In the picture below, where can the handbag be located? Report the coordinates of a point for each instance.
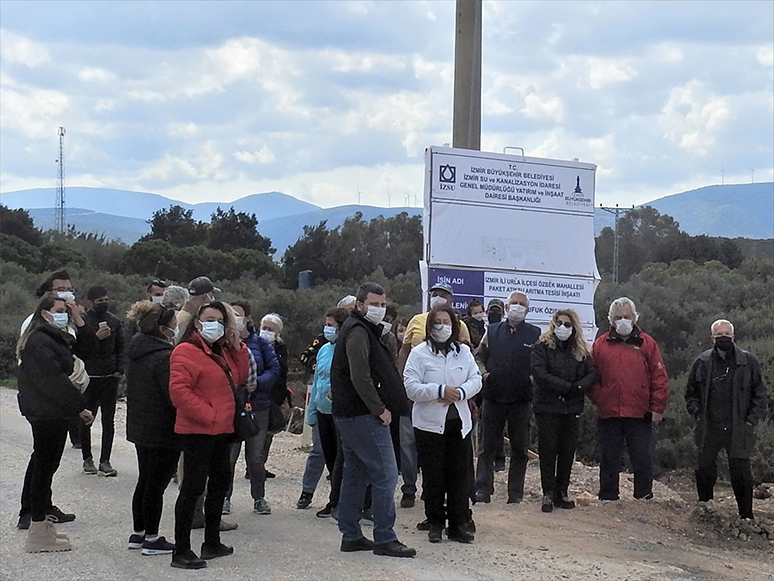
(246, 424)
(276, 419)
(79, 378)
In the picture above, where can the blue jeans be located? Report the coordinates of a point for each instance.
(315, 463)
(408, 456)
(369, 457)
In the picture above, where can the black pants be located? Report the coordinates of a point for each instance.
(206, 461)
(49, 437)
(637, 433)
(334, 457)
(715, 440)
(445, 462)
(156, 467)
(101, 393)
(557, 441)
(494, 416)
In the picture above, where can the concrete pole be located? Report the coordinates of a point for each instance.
(466, 133)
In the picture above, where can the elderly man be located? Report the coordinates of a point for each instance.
(727, 396)
(504, 357)
(631, 395)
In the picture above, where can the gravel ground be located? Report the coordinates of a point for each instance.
(623, 540)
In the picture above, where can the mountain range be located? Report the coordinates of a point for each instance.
(732, 211)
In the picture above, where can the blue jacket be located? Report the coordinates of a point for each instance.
(267, 369)
(320, 400)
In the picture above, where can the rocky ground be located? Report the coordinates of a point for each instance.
(667, 538)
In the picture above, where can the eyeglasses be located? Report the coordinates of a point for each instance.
(565, 324)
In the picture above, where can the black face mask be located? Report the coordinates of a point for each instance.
(101, 308)
(724, 343)
(494, 316)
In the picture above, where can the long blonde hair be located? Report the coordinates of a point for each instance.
(580, 347)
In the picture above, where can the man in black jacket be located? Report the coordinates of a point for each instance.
(367, 391)
(504, 354)
(105, 369)
(727, 396)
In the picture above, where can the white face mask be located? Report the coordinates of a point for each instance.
(441, 333)
(479, 316)
(59, 320)
(270, 336)
(516, 313)
(330, 333)
(241, 325)
(624, 327)
(212, 330)
(375, 315)
(66, 295)
(437, 301)
(562, 333)
(157, 299)
(386, 327)
(400, 336)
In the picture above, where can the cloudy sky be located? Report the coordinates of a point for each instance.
(212, 101)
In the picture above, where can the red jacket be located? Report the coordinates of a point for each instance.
(200, 390)
(630, 383)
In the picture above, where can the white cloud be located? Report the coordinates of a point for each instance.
(96, 74)
(669, 52)
(536, 107)
(19, 50)
(183, 129)
(263, 156)
(691, 119)
(765, 56)
(603, 72)
(105, 105)
(347, 62)
(34, 113)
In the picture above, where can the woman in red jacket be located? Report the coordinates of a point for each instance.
(203, 367)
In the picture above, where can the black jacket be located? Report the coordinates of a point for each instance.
(748, 399)
(561, 381)
(109, 356)
(45, 390)
(506, 356)
(150, 415)
(279, 393)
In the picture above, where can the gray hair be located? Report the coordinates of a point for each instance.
(719, 322)
(620, 303)
(517, 294)
(175, 297)
(275, 319)
(347, 301)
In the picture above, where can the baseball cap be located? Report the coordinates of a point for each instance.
(495, 303)
(201, 285)
(442, 286)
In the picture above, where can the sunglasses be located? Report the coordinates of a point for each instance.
(560, 324)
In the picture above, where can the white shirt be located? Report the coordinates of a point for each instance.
(425, 376)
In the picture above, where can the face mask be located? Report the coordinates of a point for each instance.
(101, 308)
(241, 325)
(212, 330)
(386, 327)
(375, 315)
(60, 320)
(479, 316)
(624, 327)
(441, 334)
(66, 295)
(724, 343)
(516, 313)
(156, 300)
(437, 302)
(173, 332)
(400, 336)
(330, 333)
(562, 333)
(270, 336)
(495, 317)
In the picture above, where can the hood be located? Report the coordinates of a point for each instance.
(142, 345)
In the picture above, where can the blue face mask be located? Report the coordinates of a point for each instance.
(331, 333)
(212, 330)
(60, 320)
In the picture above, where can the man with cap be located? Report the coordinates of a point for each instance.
(201, 290)
(494, 311)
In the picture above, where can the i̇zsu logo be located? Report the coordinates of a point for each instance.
(447, 176)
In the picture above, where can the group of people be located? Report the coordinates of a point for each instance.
(387, 398)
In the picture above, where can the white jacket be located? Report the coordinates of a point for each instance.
(425, 376)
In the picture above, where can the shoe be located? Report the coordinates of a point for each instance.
(562, 500)
(515, 500)
(548, 503)
(260, 506)
(105, 469)
(460, 534)
(394, 549)
(407, 501)
(226, 506)
(485, 498)
(499, 466)
(25, 518)
(469, 526)
(423, 526)
(187, 560)
(76, 445)
(213, 552)
(135, 541)
(305, 500)
(226, 526)
(58, 516)
(42, 538)
(325, 512)
(269, 474)
(368, 515)
(648, 496)
(89, 467)
(434, 534)
(160, 546)
(361, 544)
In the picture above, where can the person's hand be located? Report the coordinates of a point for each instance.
(86, 417)
(385, 417)
(656, 417)
(451, 394)
(103, 331)
(76, 313)
(117, 374)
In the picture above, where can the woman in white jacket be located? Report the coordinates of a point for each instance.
(440, 376)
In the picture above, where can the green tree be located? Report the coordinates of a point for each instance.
(14, 249)
(307, 254)
(19, 223)
(231, 230)
(177, 227)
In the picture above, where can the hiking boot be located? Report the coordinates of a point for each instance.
(394, 549)
(368, 515)
(562, 500)
(434, 534)
(187, 560)
(105, 469)
(58, 516)
(226, 506)
(135, 541)
(423, 526)
(25, 518)
(215, 551)
(483, 497)
(548, 503)
(361, 544)
(648, 496)
(160, 546)
(407, 501)
(325, 512)
(460, 535)
(305, 500)
(514, 500)
(89, 467)
(260, 506)
(499, 465)
(42, 538)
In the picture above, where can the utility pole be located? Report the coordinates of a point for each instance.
(616, 212)
(722, 176)
(358, 196)
(60, 215)
(466, 131)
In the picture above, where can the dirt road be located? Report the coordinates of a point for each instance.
(658, 540)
